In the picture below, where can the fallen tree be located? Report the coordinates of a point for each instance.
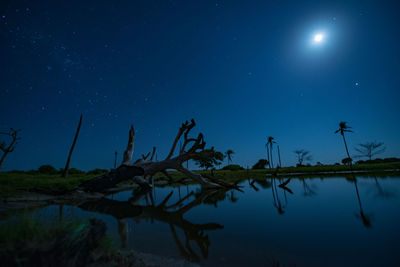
(143, 170)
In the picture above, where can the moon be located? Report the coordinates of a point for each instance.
(318, 38)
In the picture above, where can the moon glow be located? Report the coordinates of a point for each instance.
(318, 38)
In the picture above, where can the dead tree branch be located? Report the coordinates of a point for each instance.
(192, 148)
(10, 148)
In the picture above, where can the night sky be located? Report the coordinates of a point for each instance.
(244, 70)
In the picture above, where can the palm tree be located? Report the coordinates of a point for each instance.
(270, 143)
(268, 160)
(228, 155)
(343, 127)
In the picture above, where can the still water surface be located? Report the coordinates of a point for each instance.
(307, 222)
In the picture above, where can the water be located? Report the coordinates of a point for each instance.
(311, 222)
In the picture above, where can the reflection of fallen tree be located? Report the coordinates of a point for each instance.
(170, 214)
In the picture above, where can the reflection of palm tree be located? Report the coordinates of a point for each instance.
(343, 127)
(275, 195)
(171, 214)
(365, 218)
(228, 155)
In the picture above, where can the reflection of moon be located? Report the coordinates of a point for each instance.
(318, 38)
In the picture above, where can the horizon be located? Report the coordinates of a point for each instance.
(242, 71)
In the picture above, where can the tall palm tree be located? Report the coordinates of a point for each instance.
(268, 160)
(343, 127)
(270, 143)
(228, 155)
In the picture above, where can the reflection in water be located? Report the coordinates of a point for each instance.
(255, 232)
(381, 192)
(308, 191)
(171, 214)
(364, 217)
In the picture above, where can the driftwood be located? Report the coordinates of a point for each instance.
(143, 170)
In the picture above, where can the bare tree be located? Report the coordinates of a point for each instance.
(9, 148)
(370, 149)
(302, 156)
(65, 172)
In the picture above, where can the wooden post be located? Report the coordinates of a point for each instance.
(115, 161)
(65, 172)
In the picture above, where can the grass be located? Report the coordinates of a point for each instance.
(12, 183)
(33, 235)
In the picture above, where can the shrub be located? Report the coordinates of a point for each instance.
(260, 164)
(233, 167)
(47, 169)
(74, 171)
(97, 172)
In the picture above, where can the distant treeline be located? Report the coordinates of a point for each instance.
(48, 169)
(378, 160)
(261, 164)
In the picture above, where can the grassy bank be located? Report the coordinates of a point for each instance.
(29, 241)
(18, 182)
(14, 183)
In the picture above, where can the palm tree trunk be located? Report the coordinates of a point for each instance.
(269, 162)
(65, 172)
(345, 145)
(358, 195)
(270, 151)
(279, 155)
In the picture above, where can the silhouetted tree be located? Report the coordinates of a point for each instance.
(228, 155)
(8, 148)
(279, 156)
(65, 172)
(268, 159)
(343, 127)
(370, 149)
(209, 159)
(347, 161)
(260, 164)
(302, 156)
(47, 169)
